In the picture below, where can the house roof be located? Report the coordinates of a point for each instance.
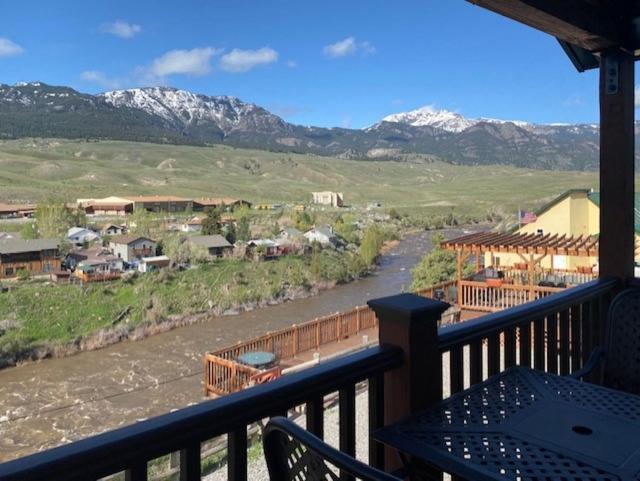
(156, 260)
(291, 232)
(263, 242)
(157, 198)
(18, 246)
(560, 198)
(109, 201)
(525, 244)
(17, 207)
(128, 239)
(194, 221)
(324, 230)
(209, 241)
(215, 201)
(595, 198)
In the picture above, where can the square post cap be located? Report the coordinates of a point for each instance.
(408, 307)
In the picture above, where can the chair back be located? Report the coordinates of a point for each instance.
(622, 363)
(294, 454)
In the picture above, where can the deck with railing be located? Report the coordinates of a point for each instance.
(555, 334)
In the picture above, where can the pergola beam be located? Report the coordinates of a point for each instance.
(578, 22)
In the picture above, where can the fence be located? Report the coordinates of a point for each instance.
(479, 296)
(223, 375)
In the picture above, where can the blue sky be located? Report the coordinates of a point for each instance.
(329, 63)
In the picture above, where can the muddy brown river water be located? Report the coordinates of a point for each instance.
(56, 401)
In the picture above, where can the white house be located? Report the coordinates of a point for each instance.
(149, 264)
(81, 235)
(131, 248)
(113, 229)
(322, 234)
(192, 225)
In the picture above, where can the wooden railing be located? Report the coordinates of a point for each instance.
(130, 449)
(479, 296)
(569, 277)
(223, 375)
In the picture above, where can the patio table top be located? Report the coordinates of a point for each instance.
(527, 425)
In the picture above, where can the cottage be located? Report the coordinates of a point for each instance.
(335, 199)
(215, 244)
(131, 248)
(36, 256)
(291, 234)
(79, 236)
(94, 256)
(150, 264)
(113, 229)
(192, 225)
(99, 269)
(262, 249)
(322, 234)
(161, 203)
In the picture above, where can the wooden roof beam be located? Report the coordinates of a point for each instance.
(578, 22)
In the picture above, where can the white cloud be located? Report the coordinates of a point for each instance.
(348, 46)
(99, 78)
(9, 48)
(244, 60)
(292, 64)
(341, 49)
(122, 29)
(196, 62)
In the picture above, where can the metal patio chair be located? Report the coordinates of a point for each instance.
(620, 355)
(294, 454)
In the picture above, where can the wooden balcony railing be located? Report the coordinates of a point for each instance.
(479, 296)
(416, 365)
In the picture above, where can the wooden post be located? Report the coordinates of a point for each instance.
(295, 340)
(530, 269)
(317, 334)
(357, 319)
(411, 322)
(617, 231)
(338, 326)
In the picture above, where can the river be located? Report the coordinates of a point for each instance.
(56, 401)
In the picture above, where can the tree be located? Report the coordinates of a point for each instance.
(54, 219)
(437, 266)
(244, 229)
(371, 244)
(141, 222)
(211, 223)
(303, 221)
(231, 234)
(29, 231)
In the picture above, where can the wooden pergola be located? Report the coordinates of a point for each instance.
(531, 248)
(599, 34)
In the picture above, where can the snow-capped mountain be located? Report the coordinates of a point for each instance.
(186, 109)
(443, 119)
(164, 114)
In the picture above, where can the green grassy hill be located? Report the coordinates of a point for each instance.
(34, 169)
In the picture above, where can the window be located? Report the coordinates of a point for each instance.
(540, 232)
(8, 271)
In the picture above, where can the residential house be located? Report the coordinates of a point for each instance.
(291, 240)
(573, 213)
(262, 249)
(79, 236)
(16, 210)
(131, 248)
(161, 203)
(216, 245)
(113, 229)
(101, 268)
(36, 256)
(291, 234)
(192, 225)
(98, 256)
(150, 264)
(322, 234)
(108, 206)
(335, 199)
(229, 203)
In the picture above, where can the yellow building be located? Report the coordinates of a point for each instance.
(574, 213)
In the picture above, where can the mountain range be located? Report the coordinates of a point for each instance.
(169, 115)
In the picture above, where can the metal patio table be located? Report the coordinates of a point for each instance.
(526, 425)
(258, 359)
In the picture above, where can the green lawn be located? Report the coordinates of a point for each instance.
(33, 169)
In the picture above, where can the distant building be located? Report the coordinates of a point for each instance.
(161, 203)
(229, 203)
(80, 235)
(328, 198)
(290, 233)
(16, 210)
(36, 256)
(150, 264)
(113, 229)
(192, 225)
(108, 206)
(131, 248)
(97, 256)
(322, 234)
(262, 249)
(216, 245)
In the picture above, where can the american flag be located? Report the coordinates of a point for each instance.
(526, 217)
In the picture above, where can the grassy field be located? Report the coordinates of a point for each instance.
(33, 169)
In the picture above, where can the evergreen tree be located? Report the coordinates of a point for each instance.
(244, 229)
(211, 223)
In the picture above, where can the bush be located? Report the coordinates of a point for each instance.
(437, 266)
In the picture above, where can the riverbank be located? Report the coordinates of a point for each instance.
(44, 320)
